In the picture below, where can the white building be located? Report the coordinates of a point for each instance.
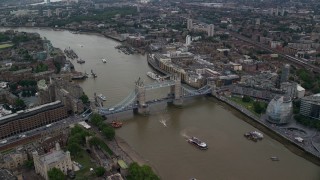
(190, 24)
(300, 91)
(55, 159)
(210, 30)
(188, 40)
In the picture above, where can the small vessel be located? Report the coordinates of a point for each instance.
(274, 158)
(200, 144)
(81, 61)
(104, 60)
(153, 76)
(254, 136)
(94, 75)
(116, 124)
(102, 97)
(79, 77)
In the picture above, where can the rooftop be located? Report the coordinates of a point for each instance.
(6, 175)
(53, 157)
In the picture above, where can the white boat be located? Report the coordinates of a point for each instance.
(153, 76)
(102, 97)
(104, 60)
(197, 142)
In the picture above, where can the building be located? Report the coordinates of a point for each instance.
(310, 106)
(14, 159)
(189, 24)
(29, 119)
(279, 110)
(258, 21)
(55, 159)
(115, 177)
(300, 91)
(289, 88)
(7, 175)
(285, 73)
(188, 40)
(210, 30)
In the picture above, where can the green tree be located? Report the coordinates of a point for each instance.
(20, 103)
(29, 164)
(84, 98)
(246, 98)
(258, 108)
(74, 149)
(144, 172)
(94, 141)
(96, 119)
(99, 171)
(56, 174)
(108, 132)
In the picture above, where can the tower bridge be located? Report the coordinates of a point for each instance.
(136, 100)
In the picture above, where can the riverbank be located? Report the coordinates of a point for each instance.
(298, 149)
(126, 150)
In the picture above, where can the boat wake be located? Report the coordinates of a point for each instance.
(184, 134)
(164, 122)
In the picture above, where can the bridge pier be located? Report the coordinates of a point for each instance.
(143, 108)
(177, 91)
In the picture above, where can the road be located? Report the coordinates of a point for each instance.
(62, 124)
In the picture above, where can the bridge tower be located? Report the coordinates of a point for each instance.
(176, 90)
(212, 84)
(141, 98)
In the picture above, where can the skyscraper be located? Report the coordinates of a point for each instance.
(210, 30)
(188, 40)
(189, 24)
(285, 73)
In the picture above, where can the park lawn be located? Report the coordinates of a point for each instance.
(3, 46)
(247, 105)
(105, 147)
(86, 164)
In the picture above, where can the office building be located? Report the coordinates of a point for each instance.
(210, 30)
(279, 110)
(190, 24)
(310, 106)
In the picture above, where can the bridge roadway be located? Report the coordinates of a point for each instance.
(130, 103)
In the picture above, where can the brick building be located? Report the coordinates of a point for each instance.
(32, 118)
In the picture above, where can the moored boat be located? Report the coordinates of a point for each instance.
(197, 142)
(102, 97)
(81, 61)
(254, 136)
(116, 124)
(153, 76)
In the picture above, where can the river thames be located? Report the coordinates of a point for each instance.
(160, 138)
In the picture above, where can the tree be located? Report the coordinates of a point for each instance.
(29, 164)
(96, 119)
(94, 141)
(74, 149)
(99, 171)
(56, 174)
(246, 98)
(258, 107)
(108, 132)
(144, 172)
(84, 98)
(20, 103)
